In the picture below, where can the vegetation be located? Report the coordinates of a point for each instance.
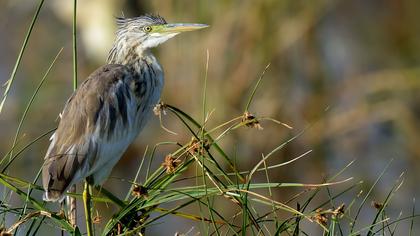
(332, 207)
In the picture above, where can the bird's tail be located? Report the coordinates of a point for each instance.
(59, 172)
(53, 196)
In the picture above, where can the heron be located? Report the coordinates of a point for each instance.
(110, 108)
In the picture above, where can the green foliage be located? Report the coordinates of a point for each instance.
(213, 184)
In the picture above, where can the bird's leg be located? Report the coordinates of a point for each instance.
(88, 207)
(62, 210)
(71, 203)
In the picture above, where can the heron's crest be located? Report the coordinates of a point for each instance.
(148, 19)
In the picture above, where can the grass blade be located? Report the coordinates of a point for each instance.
(256, 87)
(367, 195)
(22, 51)
(28, 106)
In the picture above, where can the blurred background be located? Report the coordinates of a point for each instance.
(347, 70)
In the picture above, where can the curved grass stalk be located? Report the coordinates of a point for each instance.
(26, 147)
(256, 87)
(368, 194)
(55, 217)
(31, 100)
(180, 113)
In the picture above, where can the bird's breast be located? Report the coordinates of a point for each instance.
(145, 89)
(146, 86)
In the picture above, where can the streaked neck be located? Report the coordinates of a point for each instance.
(129, 52)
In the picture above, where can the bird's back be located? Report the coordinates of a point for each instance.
(98, 123)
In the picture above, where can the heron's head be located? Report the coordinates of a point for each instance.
(149, 31)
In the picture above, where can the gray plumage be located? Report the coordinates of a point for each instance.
(106, 113)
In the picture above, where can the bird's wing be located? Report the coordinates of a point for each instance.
(88, 121)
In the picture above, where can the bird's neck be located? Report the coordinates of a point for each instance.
(131, 54)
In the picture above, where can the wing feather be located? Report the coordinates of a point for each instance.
(101, 105)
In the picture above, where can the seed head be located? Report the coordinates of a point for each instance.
(139, 191)
(320, 217)
(377, 205)
(170, 163)
(251, 121)
(160, 109)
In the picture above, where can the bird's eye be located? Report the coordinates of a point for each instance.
(147, 29)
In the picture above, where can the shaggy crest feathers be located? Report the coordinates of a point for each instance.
(143, 20)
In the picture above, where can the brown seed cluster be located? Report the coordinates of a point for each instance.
(139, 191)
(97, 219)
(251, 121)
(321, 217)
(195, 147)
(170, 163)
(339, 211)
(377, 205)
(160, 109)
